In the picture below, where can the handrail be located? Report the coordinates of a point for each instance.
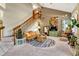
(21, 24)
(25, 21)
(30, 20)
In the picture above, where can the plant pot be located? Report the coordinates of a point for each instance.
(77, 50)
(72, 43)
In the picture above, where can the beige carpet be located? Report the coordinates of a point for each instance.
(59, 49)
(5, 44)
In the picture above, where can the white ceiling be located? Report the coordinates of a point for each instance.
(67, 7)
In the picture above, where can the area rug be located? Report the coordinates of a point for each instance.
(46, 43)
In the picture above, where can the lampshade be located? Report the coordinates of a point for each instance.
(38, 27)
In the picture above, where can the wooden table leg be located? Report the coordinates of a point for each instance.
(1, 28)
(0, 35)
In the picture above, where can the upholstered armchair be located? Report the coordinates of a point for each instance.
(30, 35)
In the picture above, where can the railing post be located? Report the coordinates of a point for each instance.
(14, 37)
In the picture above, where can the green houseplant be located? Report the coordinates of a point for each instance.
(75, 23)
(71, 37)
(19, 34)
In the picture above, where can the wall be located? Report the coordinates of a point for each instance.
(2, 7)
(14, 14)
(1, 14)
(75, 11)
(48, 13)
(32, 27)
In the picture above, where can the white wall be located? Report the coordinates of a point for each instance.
(75, 11)
(31, 27)
(2, 7)
(1, 14)
(14, 14)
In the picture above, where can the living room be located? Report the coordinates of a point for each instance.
(40, 27)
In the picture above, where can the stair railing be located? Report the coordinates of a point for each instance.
(29, 21)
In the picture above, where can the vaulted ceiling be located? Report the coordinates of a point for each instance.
(67, 7)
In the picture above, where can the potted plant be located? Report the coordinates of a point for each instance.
(19, 37)
(77, 24)
(19, 34)
(72, 39)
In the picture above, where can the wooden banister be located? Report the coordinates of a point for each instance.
(28, 21)
(18, 26)
(32, 17)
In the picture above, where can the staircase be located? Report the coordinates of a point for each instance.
(5, 45)
(26, 23)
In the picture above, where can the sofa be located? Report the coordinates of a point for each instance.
(30, 35)
(34, 35)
